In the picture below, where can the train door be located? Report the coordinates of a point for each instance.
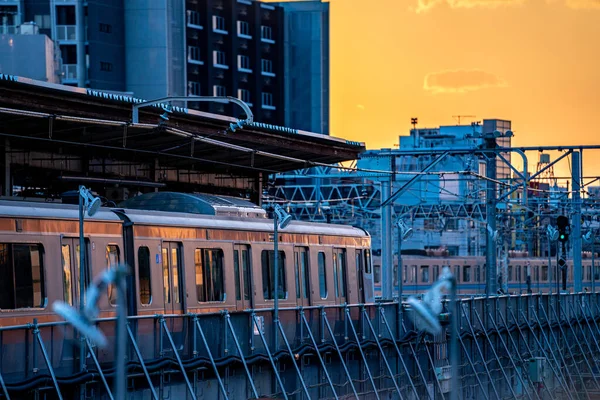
(172, 277)
(242, 277)
(302, 276)
(360, 283)
(70, 267)
(340, 273)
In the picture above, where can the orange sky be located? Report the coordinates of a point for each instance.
(535, 62)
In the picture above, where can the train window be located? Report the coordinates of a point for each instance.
(377, 273)
(144, 275)
(395, 279)
(436, 272)
(544, 273)
(112, 260)
(67, 281)
(302, 277)
(268, 272)
(405, 275)
(339, 265)
(518, 273)
(323, 275)
(413, 274)
(589, 272)
(246, 272)
(596, 272)
(457, 273)
(236, 274)
(466, 274)
(297, 270)
(510, 273)
(536, 273)
(424, 273)
(21, 276)
(335, 274)
(477, 277)
(367, 261)
(209, 275)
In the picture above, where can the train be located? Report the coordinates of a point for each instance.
(524, 274)
(187, 253)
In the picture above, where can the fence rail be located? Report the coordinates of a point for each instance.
(536, 346)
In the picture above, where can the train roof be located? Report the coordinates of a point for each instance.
(27, 209)
(194, 203)
(150, 217)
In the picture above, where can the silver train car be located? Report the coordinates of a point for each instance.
(524, 274)
(180, 262)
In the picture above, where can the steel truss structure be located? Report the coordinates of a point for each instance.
(364, 198)
(533, 346)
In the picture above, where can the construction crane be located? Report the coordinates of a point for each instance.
(458, 117)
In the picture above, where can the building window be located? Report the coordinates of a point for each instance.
(266, 34)
(322, 276)
(193, 88)
(194, 55)
(244, 95)
(43, 21)
(105, 28)
(219, 91)
(219, 24)
(105, 66)
(219, 59)
(193, 19)
(144, 275)
(267, 101)
(209, 275)
(112, 260)
(244, 63)
(268, 275)
(243, 30)
(21, 276)
(267, 67)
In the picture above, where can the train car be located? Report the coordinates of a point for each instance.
(216, 256)
(524, 274)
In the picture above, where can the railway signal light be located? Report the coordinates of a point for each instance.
(563, 228)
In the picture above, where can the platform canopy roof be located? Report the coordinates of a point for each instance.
(68, 120)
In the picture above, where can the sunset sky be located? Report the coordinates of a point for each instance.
(535, 62)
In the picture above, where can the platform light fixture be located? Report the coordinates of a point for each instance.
(428, 312)
(84, 320)
(590, 238)
(404, 233)
(168, 110)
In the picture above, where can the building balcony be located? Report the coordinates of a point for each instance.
(65, 33)
(69, 73)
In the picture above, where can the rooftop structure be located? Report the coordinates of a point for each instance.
(56, 137)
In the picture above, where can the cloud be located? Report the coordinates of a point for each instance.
(461, 81)
(426, 5)
(583, 4)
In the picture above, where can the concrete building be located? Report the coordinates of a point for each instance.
(452, 234)
(89, 36)
(207, 48)
(160, 48)
(30, 54)
(306, 65)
